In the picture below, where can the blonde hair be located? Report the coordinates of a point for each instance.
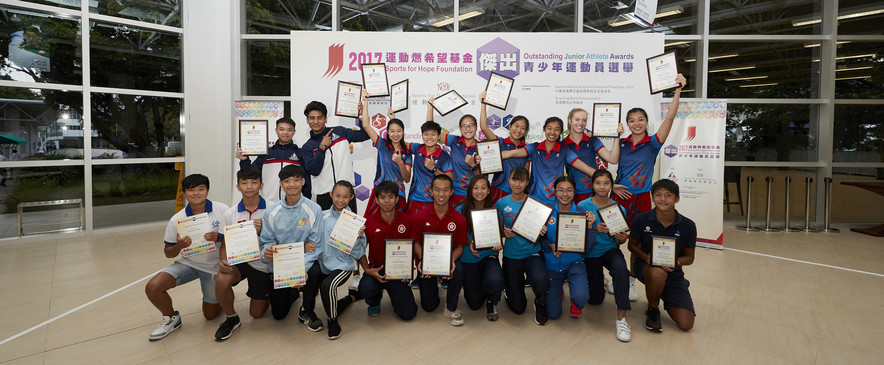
(575, 111)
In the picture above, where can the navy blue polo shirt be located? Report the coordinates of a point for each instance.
(645, 225)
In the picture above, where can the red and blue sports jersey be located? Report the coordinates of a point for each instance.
(501, 178)
(636, 168)
(387, 169)
(546, 167)
(462, 172)
(586, 150)
(421, 176)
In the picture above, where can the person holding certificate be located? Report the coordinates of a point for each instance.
(561, 266)
(548, 160)
(440, 218)
(586, 147)
(518, 128)
(666, 281)
(294, 219)
(387, 223)
(521, 258)
(394, 157)
(335, 264)
(479, 272)
(250, 209)
(605, 252)
(429, 161)
(186, 269)
(463, 153)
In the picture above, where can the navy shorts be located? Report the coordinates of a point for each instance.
(675, 292)
(260, 283)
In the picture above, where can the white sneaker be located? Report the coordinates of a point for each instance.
(623, 330)
(354, 284)
(609, 286)
(168, 325)
(633, 294)
(455, 318)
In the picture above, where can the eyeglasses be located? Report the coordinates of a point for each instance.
(468, 125)
(565, 191)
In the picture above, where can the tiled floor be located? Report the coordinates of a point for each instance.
(750, 309)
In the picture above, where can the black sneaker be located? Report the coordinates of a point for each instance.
(225, 330)
(491, 311)
(355, 294)
(445, 283)
(653, 322)
(540, 316)
(311, 320)
(334, 329)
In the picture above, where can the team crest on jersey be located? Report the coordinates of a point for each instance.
(302, 222)
(293, 157)
(216, 224)
(647, 228)
(451, 226)
(551, 220)
(507, 209)
(401, 228)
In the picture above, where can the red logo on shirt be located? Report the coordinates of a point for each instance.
(451, 226)
(401, 228)
(552, 220)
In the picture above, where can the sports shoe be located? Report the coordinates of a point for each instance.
(623, 330)
(575, 312)
(168, 325)
(445, 283)
(633, 294)
(455, 318)
(491, 311)
(540, 316)
(334, 329)
(414, 284)
(609, 286)
(374, 310)
(354, 284)
(355, 294)
(653, 322)
(225, 330)
(310, 320)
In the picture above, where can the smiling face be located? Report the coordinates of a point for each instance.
(517, 186)
(565, 192)
(577, 122)
(637, 123)
(341, 197)
(395, 133)
(664, 200)
(602, 186)
(468, 127)
(518, 129)
(249, 188)
(292, 186)
(196, 195)
(387, 201)
(285, 132)
(441, 191)
(480, 190)
(553, 131)
(430, 138)
(316, 120)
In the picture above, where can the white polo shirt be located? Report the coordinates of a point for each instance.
(239, 214)
(207, 262)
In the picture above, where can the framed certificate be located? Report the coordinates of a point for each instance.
(241, 242)
(571, 232)
(448, 102)
(612, 216)
(347, 99)
(195, 227)
(374, 79)
(531, 219)
(437, 254)
(346, 231)
(605, 119)
(486, 228)
(492, 161)
(399, 96)
(288, 266)
(663, 251)
(498, 90)
(398, 262)
(254, 137)
(662, 71)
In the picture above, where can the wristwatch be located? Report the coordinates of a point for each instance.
(434, 169)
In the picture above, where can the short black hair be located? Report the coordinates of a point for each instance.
(291, 171)
(347, 185)
(431, 126)
(315, 105)
(637, 110)
(665, 184)
(286, 120)
(519, 173)
(554, 120)
(521, 118)
(565, 178)
(248, 173)
(386, 186)
(442, 177)
(194, 180)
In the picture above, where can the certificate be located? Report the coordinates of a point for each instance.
(374, 79)
(571, 232)
(398, 262)
(662, 71)
(605, 119)
(399, 96)
(486, 228)
(492, 161)
(531, 219)
(663, 251)
(448, 102)
(195, 227)
(346, 231)
(241, 242)
(347, 99)
(253, 137)
(288, 266)
(612, 216)
(498, 90)
(437, 254)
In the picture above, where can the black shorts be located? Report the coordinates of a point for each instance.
(675, 291)
(260, 283)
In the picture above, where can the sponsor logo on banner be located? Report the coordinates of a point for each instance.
(335, 60)
(379, 121)
(497, 56)
(670, 151)
(692, 133)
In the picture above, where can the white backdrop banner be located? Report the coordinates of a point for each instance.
(693, 156)
(553, 74)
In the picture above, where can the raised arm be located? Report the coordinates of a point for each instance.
(666, 126)
(366, 119)
(430, 109)
(483, 119)
(612, 156)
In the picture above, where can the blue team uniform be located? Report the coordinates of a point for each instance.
(546, 167)
(501, 178)
(636, 167)
(462, 172)
(586, 150)
(421, 176)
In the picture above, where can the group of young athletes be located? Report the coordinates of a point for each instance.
(562, 172)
